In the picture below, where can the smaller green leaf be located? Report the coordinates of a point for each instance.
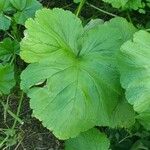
(92, 139)
(7, 80)
(19, 4)
(26, 10)
(4, 22)
(134, 4)
(126, 4)
(8, 48)
(117, 3)
(5, 6)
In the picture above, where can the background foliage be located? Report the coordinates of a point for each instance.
(52, 42)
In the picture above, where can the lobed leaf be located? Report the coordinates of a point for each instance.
(134, 62)
(78, 70)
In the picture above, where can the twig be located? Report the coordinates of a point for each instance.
(101, 10)
(80, 7)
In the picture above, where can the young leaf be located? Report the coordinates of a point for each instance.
(78, 68)
(92, 139)
(134, 62)
(25, 9)
(8, 48)
(7, 80)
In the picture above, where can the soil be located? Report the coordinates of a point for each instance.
(35, 136)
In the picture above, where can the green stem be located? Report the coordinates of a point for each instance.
(10, 35)
(13, 58)
(80, 7)
(3, 142)
(16, 31)
(18, 109)
(103, 11)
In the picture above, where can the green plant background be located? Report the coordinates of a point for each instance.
(107, 45)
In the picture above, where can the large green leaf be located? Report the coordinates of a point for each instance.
(7, 80)
(92, 140)
(134, 62)
(78, 69)
(25, 9)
